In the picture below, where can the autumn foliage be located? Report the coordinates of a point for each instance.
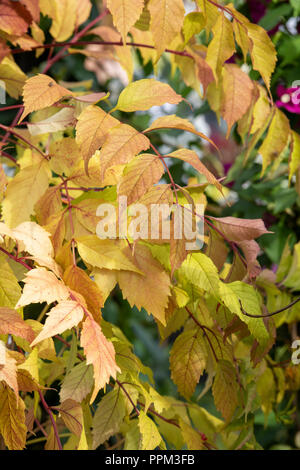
(68, 151)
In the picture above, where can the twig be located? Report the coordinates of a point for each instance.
(269, 314)
(47, 409)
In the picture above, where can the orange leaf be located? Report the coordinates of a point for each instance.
(100, 352)
(12, 323)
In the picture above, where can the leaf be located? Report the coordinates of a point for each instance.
(59, 121)
(100, 352)
(42, 286)
(64, 20)
(83, 10)
(125, 13)
(13, 77)
(187, 361)
(62, 317)
(12, 323)
(30, 365)
(108, 254)
(294, 162)
(41, 92)
(149, 432)
(92, 129)
(235, 229)
(201, 272)
(139, 176)
(14, 18)
(262, 50)
(122, 144)
(231, 294)
(276, 139)
(108, 417)
(22, 193)
(191, 436)
(78, 383)
(237, 94)
(71, 413)
(77, 279)
(12, 419)
(222, 46)
(193, 24)
(166, 21)
(151, 290)
(8, 374)
(192, 158)
(65, 156)
(225, 389)
(174, 122)
(10, 290)
(143, 94)
(35, 239)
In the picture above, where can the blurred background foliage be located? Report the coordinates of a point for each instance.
(249, 196)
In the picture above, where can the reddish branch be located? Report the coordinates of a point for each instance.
(269, 314)
(47, 409)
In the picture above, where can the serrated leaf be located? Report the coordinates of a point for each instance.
(42, 286)
(100, 352)
(191, 436)
(200, 271)
(12, 323)
(150, 437)
(221, 47)
(187, 360)
(125, 13)
(108, 417)
(12, 419)
(238, 230)
(139, 176)
(78, 383)
(71, 413)
(62, 317)
(41, 92)
(143, 94)
(225, 389)
(92, 129)
(23, 191)
(166, 21)
(150, 290)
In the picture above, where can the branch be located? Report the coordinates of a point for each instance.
(47, 409)
(10, 130)
(15, 258)
(269, 314)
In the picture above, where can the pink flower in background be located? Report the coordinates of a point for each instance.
(289, 99)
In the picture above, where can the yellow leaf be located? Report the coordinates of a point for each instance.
(48, 205)
(222, 45)
(125, 13)
(123, 143)
(201, 272)
(77, 279)
(261, 111)
(187, 360)
(108, 254)
(276, 139)
(62, 317)
(193, 24)
(174, 122)
(192, 158)
(42, 286)
(150, 291)
(139, 176)
(166, 21)
(262, 50)
(12, 419)
(92, 129)
(83, 9)
(8, 373)
(108, 417)
(34, 239)
(65, 156)
(143, 94)
(237, 94)
(12, 323)
(23, 191)
(192, 437)
(78, 383)
(31, 365)
(64, 20)
(106, 280)
(10, 290)
(294, 162)
(41, 92)
(100, 352)
(149, 432)
(12, 76)
(241, 36)
(225, 389)
(59, 121)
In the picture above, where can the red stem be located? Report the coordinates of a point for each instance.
(47, 409)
